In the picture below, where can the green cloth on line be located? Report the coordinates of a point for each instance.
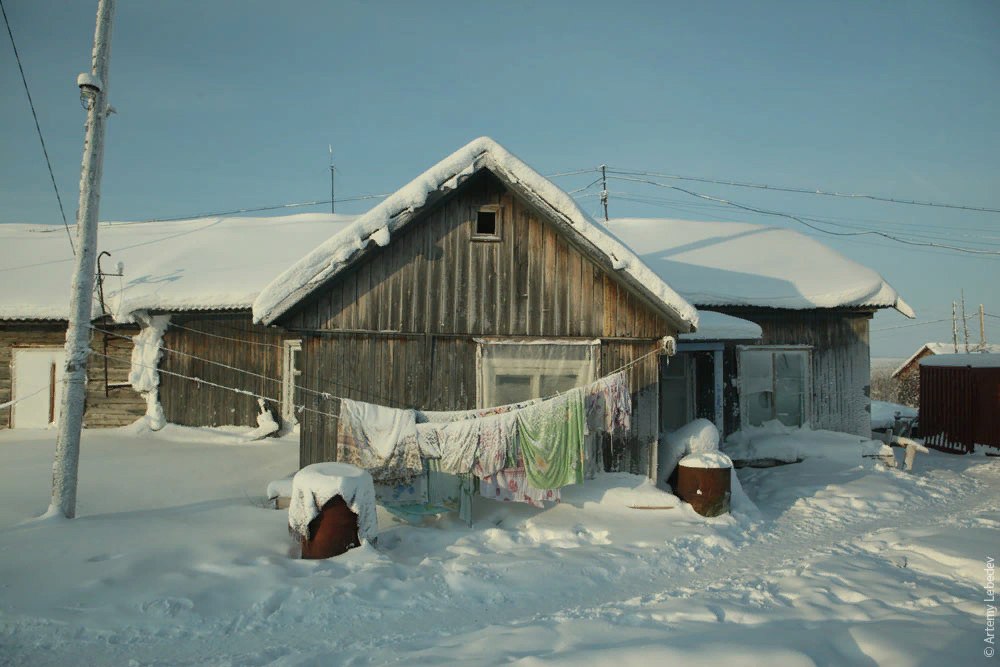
(552, 440)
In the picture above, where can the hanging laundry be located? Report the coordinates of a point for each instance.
(551, 440)
(383, 427)
(511, 485)
(459, 443)
(497, 442)
(381, 440)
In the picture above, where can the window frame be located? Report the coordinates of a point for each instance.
(497, 235)
(807, 388)
(487, 370)
(291, 348)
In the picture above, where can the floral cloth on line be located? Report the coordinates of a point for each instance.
(511, 485)
(354, 445)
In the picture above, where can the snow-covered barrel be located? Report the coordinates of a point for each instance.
(704, 480)
(332, 509)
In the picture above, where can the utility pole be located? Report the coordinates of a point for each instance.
(965, 322)
(982, 328)
(333, 197)
(94, 93)
(604, 190)
(954, 326)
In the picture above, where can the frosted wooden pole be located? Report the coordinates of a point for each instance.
(94, 93)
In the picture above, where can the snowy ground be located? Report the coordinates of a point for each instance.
(174, 561)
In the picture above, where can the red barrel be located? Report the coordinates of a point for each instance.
(708, 490)
(333, 532)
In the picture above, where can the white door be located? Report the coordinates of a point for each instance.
(38, 374)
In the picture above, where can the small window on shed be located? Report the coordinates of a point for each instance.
(487, 224)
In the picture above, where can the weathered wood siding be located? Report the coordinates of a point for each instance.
(841, 364)
(434, 278)
(399, 328)
(206, 341)
(116, 406)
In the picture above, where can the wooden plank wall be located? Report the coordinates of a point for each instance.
(434, 278)
(841, 365)
(208, 340)
(119, 407)
(636, 453)
(439, 373)
(403, 371)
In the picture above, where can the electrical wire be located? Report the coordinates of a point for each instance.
(574, 173)
(825, 193)
(274, 207)
(38, 129)
(803, 221)
(920, 324)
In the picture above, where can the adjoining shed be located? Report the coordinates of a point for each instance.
(811, 304)
(478, 284)
(960, 401)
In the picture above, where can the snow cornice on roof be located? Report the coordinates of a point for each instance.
(734, 264)
(380, 224)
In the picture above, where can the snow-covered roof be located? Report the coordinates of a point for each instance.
(381, 223)
(941, 348)
(200, 264)
(974, 359)
(719, 326)
(742, 264)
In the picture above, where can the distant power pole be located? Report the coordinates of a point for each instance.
(333, 197)
(604, 190)
(965, 322)
(982, 328)
(94, 92)
(954, 325)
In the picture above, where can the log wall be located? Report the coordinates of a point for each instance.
(114, 406)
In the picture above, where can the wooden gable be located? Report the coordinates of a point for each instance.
(438, 276)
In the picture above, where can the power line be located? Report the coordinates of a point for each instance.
(274, 207)
(847, 223)
(803, 221)
(918, 324)
(573, 173)
(825, 193)
(38, 128)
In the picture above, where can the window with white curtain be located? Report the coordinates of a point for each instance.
(774, 384)
(515, 371)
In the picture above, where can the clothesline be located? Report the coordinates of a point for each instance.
(12, 403)
(297, 407)
(323, 394)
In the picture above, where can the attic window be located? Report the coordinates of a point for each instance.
(487, 224)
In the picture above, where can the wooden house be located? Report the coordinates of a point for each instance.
(479, 283)
(810, 363)
(202, 274)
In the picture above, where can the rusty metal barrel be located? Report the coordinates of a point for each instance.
(333, 532)
(705, 482)
(332, 509)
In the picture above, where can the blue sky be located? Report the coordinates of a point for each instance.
(225, 105)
